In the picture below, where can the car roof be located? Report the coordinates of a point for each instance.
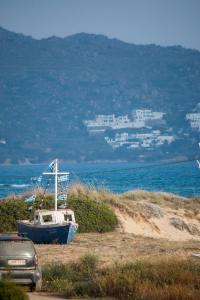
(10, 237)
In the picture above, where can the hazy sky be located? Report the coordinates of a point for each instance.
(163, 22)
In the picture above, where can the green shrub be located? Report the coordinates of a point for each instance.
(88, 263)
(91, 215)
(9, 291)
(10, 211)
(72, 279)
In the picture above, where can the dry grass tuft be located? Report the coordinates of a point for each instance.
(160, 198)
(91, 192)
(164, 279)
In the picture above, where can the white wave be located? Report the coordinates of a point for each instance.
(19, 186)
(15, 185)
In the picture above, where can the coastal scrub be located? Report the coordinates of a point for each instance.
(92, 215)
(163, 279)
(9, 291)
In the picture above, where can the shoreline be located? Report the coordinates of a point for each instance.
(27, 162)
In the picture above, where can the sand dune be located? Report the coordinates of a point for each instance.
(170, 220)
(150, 225)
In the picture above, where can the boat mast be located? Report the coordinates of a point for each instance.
(198, 162)
(56, 184)
(55, 173)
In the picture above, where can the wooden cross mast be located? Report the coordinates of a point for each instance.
(55, 173)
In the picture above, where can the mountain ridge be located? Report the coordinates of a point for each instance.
(50, 88)
(82, 34)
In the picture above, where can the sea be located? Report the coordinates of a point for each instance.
(182, 178)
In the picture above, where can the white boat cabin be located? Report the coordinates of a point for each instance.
(44, 217)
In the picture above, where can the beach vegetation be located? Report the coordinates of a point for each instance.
(95, 208)
(162, 279)
(91, 213)
(10, 291)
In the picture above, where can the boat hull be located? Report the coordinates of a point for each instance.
(48, 234)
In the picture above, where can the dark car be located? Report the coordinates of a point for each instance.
(18, 261)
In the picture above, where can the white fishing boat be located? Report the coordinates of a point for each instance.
(50, 226)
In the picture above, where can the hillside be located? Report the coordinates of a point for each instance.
(150, 225)
(89, 98)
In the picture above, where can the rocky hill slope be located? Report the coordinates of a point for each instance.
(89, 98)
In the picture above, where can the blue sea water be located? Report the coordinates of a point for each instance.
(180, 178)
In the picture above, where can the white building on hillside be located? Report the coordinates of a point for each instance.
(194, 119)
(139, 140)
(138, 120)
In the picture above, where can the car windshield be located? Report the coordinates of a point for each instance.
(17, 248)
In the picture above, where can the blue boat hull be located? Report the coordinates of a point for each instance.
(48, 234)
